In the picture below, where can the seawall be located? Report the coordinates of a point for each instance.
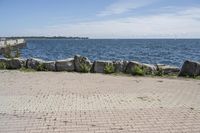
(12, 42)
(84, 65)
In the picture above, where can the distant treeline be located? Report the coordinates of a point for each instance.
(44, 37)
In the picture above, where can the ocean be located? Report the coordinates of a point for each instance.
(152, 51)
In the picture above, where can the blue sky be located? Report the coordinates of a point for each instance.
(101, 18)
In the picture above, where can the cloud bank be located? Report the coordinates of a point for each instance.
(122, 6)
(180, 24)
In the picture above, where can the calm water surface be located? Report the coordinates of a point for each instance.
(164, 51)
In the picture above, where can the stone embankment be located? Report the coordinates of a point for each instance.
(83, 64)
(12, 43)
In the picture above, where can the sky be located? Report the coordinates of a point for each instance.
(101, 18)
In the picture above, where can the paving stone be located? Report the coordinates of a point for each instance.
(76, 105)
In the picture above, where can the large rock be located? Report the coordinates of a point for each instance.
(15, 63)
(65, 65)
(22, 61)
(131, 65)
(166, 69)
(120, 66)
(40, 65)
(36, 64)
(149, 68)
(190, 68)
(82, 64)
(99, 66)
(49, 65)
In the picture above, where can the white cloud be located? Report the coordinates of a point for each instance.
(193, 13)
(184, 24)
(122, 6)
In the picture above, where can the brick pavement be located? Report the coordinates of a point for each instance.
(95, 103)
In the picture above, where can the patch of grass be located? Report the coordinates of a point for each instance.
(138, 71)
(41, 67)
(84, 68)
(2, 65)
(84, 65)
(159, 73)
(23, 69)
(109, 68)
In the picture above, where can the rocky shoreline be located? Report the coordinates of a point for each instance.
(83, 64)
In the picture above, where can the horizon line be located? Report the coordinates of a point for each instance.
(175, 38)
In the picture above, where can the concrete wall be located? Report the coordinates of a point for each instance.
(12, 42)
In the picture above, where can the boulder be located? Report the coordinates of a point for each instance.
(166, 69)
(65, 65)
(15, 63)
(120, 66)
(190, 68)
(49, 65)
(82, 64)
(99, 66)
(131, 65)
(36, 64)
(22, 61)
(150, 69)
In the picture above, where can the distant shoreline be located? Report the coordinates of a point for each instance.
(43, 37)
(87, 38)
